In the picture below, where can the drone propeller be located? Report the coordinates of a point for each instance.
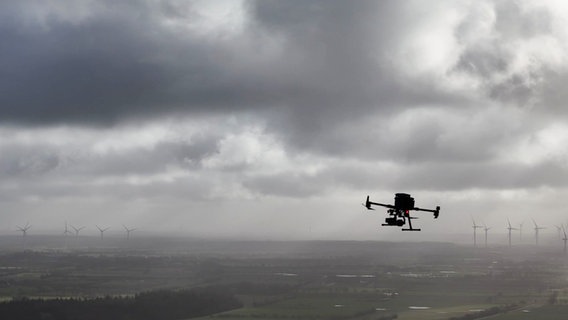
(368, 208)
(367, 204)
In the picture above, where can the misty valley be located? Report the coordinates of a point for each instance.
(179, 278)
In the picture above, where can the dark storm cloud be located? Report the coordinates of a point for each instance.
(122, 60)
(119, 62)
(318, 62)
(141, 106)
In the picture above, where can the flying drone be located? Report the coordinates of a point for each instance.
(400, 211)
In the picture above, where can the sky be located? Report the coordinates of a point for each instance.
(275, 119)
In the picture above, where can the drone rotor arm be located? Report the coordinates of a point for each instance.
(436, 211)
(390, 206)
(369, 203)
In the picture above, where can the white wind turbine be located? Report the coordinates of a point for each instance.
(536, 229)
(510, 229)
(77, 230)
(24, 229)
(66, 230)
(485, 228)
(102, 230)
(565, 238)
(128, 231)
(475, 227)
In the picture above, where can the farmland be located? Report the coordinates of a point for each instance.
(301, 280)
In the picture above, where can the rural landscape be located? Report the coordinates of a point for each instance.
(282, 160)
(182, 278)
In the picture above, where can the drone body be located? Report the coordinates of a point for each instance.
(399, 213)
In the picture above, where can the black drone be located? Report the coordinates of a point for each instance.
(400, 211)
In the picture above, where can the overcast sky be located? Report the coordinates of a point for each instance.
(275, 119)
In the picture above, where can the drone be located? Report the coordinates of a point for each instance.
(400, 211)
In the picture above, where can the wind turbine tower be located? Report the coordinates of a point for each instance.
(102, 230)
(536, 229)
(565, 238)
(66, 231)
(475, 227)
(485, 228)
(521, 231)
(510, 229)
(128, 231)
(24, 229)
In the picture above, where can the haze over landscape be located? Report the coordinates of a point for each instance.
(275, 119)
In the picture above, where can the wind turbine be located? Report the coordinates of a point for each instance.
(66, 231)
(536, 228)
(510, 229)
(77, 230)
(128, 231)
(475, 227)
(485, 228)
(565, 238)
(102, 230)
(521, 231)
(24, 229)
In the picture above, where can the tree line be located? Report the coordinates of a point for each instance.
(154, 305)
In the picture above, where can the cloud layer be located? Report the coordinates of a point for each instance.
(261, 106)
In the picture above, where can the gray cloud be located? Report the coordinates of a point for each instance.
(435, 177)
(40, 159)
(505, 47)
(118, 62)
(289, 100)
(317, 59)
(286, 185)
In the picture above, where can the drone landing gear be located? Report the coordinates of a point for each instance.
(410, 225)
